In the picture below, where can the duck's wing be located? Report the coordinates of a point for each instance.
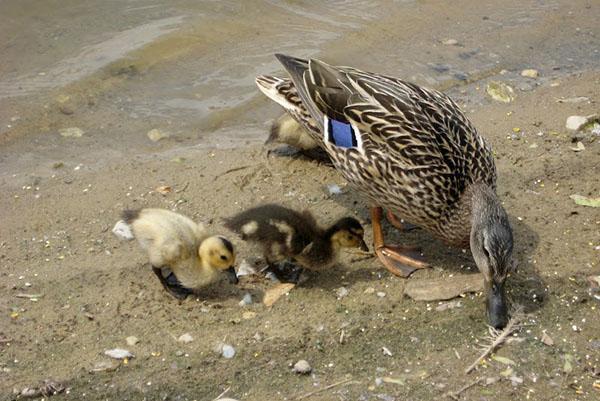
(421, 130)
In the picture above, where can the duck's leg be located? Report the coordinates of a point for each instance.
(396, 222)
(400, 261)
(171, 284)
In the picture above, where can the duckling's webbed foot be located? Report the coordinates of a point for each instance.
(171, 284)
(400, 261)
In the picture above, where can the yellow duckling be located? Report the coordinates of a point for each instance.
(174, 241)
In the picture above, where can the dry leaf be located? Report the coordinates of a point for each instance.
(546, 339)
(585, 201)
(164, 189)
(503, 360)
(274, 293)
(568, 366)
(395, 380)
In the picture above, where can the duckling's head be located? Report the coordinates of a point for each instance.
(348, 233)
(217, 252)
(492, 245)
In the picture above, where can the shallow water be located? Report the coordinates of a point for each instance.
(187, 67)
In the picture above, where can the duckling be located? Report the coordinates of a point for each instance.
(286, 130)
(176, 242)
(287, 234)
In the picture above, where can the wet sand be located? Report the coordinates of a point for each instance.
(62, 195)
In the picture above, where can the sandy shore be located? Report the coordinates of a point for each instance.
(94, 291)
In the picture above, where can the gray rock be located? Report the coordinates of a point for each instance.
(302, 367)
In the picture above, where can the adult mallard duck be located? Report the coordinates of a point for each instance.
(410, 150)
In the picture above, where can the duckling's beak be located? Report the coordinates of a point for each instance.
(363, 246)
(496, 306)
(233, 278)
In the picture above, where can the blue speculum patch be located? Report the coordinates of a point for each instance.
(341, 134)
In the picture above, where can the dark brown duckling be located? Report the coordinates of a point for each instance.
(287, 234)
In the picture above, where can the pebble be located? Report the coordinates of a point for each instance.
(370, 290)
(246, 300)
(179, 353)
(530, 73)
(245, 269)
(156, 135)
(122, 230)
(72, 132)
(500, 91)
(228, 351)
(381, 294)
(334, 189)
(118, 353)
(132, 340)
(546, 339)
(575, 123)
(185, 338)
(450, 42)
(341, 292)
(302, 367)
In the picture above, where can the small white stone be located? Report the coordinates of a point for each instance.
(530, 73)
(228, 351)
(450, 42)
(185, 338)
(246, 300)
(341, 292)
(381, 294)
(118, 353)
(132, 340)
(302, 367)
(575, 123)
(123, 230)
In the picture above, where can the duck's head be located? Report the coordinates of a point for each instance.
(217, 252)
(492, 245)
(348, 233)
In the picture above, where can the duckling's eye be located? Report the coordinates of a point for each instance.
(223, 257)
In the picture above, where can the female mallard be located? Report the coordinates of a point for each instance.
(410, 150)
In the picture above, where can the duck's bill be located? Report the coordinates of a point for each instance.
(363, 246)
(497, 307)
(231, 275)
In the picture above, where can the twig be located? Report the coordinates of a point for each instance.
(497, 338)
(29, 296)
(301, 397)
(222, 394)
(187, 184)
(231, 170)
(454, 395)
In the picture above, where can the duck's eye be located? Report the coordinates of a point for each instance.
(223, 257)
